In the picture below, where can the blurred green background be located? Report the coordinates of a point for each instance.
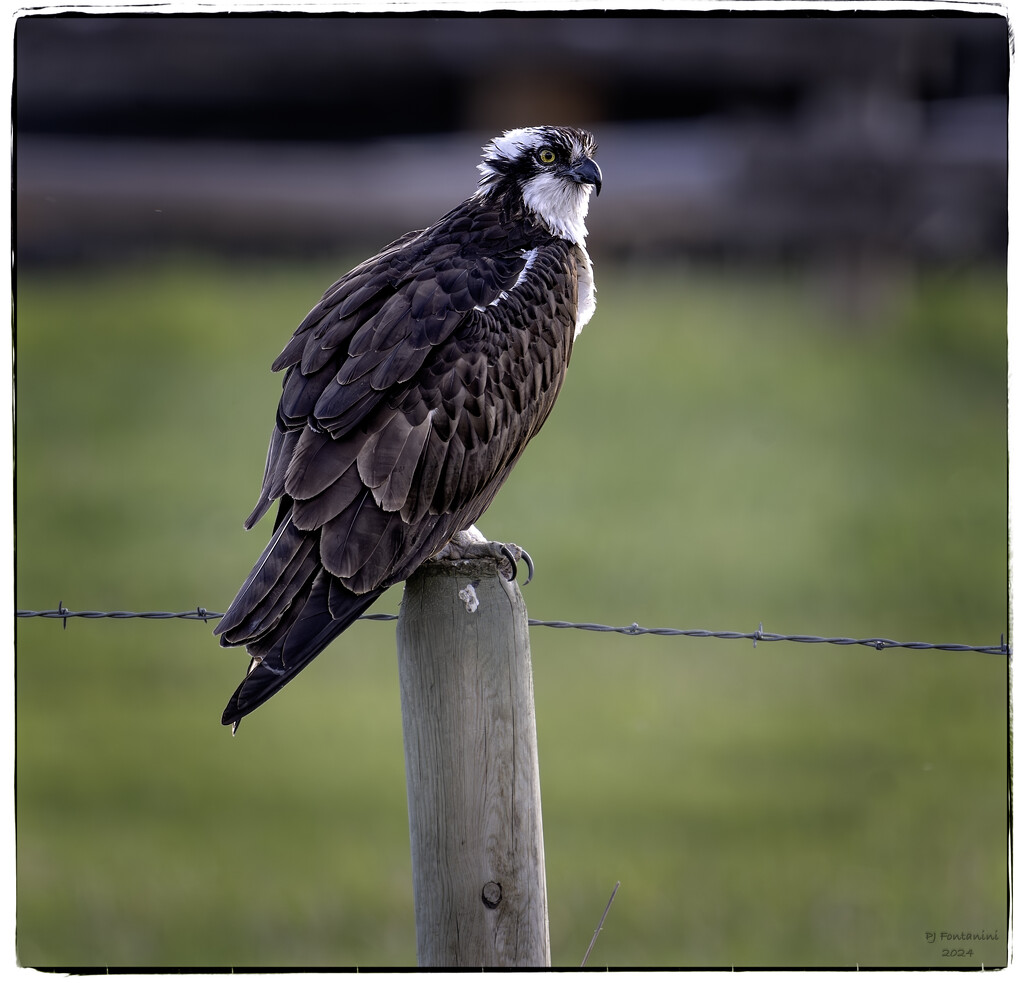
(790, 409)
(726, 451)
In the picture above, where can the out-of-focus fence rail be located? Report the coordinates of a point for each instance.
(895, 185)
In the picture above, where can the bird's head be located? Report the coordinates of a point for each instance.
(550, 169)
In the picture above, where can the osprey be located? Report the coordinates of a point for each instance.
(411, 390)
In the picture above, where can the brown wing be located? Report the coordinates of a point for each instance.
(411, 390)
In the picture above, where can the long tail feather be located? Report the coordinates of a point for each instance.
(280, 656)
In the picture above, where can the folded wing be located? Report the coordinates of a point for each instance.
(410, 391)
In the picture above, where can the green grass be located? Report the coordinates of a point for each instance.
(728, 450)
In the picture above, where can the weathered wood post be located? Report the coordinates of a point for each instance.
(471, 769)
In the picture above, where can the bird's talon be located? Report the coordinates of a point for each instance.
(511, 557)
(514, 554)
(529, 566)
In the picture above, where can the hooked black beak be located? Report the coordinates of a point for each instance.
(585, 171)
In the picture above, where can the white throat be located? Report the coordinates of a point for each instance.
(560, 204)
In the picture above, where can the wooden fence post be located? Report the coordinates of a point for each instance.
(471, 769)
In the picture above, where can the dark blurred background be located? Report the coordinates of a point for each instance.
(879, 138)
(789, 409)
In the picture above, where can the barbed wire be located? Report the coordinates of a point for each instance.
(62, 613)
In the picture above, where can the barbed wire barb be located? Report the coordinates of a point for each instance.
(200, 613)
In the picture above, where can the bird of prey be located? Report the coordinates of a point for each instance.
(410, 392)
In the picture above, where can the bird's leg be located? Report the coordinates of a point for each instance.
(471, 544)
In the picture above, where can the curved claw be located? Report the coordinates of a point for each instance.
(523, 555)
(511, 557)
(529, 566)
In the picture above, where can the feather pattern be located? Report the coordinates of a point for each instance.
(410, 391)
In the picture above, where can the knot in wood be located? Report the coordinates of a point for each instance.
(491, 894)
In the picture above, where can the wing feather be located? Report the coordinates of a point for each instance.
(420, 497)
(300, 393)
(273, 575)
(400, 365)
(278, 601)
(279, 453)
(317, 462)
(348, 538)
(395, 491)
(320, 348)
(388, 460)
(343, 408)
(312, 513)
(390, 327)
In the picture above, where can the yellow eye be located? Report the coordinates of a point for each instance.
(546, 155)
